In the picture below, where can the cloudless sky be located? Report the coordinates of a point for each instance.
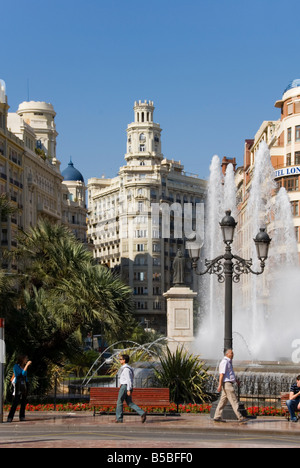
(213, 68)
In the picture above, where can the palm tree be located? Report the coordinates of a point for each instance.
(99, 295)
(60, 295)
(49, 252)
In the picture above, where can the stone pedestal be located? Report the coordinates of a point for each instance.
(180, 305)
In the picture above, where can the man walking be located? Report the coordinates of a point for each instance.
(226, 380)
(126, 389)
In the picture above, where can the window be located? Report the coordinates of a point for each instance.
(291, 184)
(140, 276)
(156, 248)
(140, 233)
(297, 107)
(142, 137)
(295, 208)
(140, 291)
(288, 159)
(289, 135)
(297, 157)
(141, 305)
(142, 148)
(140, 260)
(140, 206)
(156, 276)
(297, 133)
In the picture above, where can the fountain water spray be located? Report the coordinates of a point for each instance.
(257, 310)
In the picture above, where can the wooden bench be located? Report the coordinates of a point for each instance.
(153, 397)
(284, 396)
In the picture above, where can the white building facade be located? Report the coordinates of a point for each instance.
(125, 233)
(30, 174)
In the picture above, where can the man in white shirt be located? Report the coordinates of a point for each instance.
(226, 380)
(126, 389)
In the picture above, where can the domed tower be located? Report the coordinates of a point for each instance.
(74, 201)
(143, 136)
(71, 174)
(74, 181)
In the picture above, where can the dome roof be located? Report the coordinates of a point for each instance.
(292, 84)
(72, 174)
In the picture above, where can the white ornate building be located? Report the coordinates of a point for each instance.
(30, 172)
(121, 226)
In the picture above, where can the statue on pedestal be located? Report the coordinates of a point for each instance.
(179, 269)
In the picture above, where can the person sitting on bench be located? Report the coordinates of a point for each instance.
(294, 402)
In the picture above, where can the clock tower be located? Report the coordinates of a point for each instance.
(143, 137)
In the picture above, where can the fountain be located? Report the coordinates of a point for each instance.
(259, 302)
(263, 307)
(144, 375)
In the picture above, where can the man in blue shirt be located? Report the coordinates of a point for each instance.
(294, 402)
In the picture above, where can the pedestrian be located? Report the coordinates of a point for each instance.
(294, 402)
(21, 384)
(227, 379)
(126, 389)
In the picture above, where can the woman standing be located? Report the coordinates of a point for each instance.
(20, 396)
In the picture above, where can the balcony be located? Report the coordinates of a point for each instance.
(50, 212)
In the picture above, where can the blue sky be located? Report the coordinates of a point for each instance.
(213, 68)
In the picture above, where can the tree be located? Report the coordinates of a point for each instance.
(60, 294)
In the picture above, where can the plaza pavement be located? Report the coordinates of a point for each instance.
(83, 430)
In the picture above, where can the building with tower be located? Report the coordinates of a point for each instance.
(121, 226)
(30, 174)
(34, 125)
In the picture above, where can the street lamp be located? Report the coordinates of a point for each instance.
(229, 271)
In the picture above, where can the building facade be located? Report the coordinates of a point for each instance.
(11, 178)
(125, 234)
(30, 172)
(283, 139)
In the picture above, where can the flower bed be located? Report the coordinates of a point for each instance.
(188, 408)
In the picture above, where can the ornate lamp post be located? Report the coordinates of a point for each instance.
(229, 267)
